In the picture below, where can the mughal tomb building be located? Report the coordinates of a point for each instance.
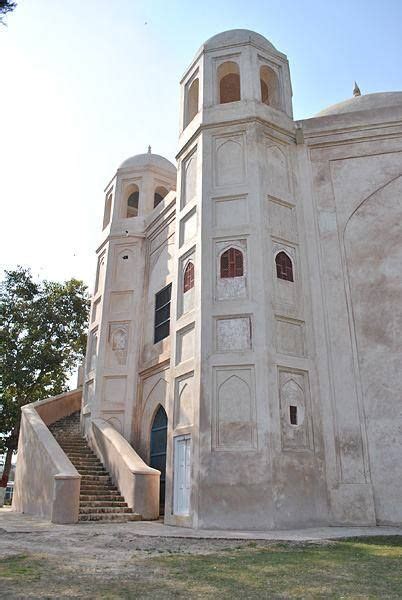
(245, 329)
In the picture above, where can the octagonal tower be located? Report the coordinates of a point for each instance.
(245, 444)
(140, 184)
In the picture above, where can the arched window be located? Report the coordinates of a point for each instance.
(108, 211)
(188, 279)
(269, 87)
(232, 263)
(229, 82)
(132, 202)
(284, 267)
(159, 195)
(192, 101)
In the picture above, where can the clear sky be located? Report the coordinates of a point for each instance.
(87, 83)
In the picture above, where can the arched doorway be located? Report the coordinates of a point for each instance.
(158, 450)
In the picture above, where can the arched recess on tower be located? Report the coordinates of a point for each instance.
(158, 444)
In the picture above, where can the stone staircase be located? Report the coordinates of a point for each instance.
(100, 500)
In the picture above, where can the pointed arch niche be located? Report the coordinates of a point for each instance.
(234, 426)
(372, 263)
(157, 450)
(184, 408)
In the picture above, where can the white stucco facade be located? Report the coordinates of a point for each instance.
(280, 373)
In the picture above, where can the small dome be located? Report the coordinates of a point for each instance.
(141, 161)
(366, 102)
(233, 37)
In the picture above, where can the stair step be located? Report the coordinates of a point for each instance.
(100, 478)
(102, 503)
(69, 441)
(101, 497)
(91, 458)
(122, 517)
(86, 464)
(102, 489)
(80, 456)
(93, 466)
(83, 455)
(100, 500)
(92, 470)
(109, 510)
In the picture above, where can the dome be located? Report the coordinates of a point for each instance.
(233, 37)
(366, 102)
(141, 161)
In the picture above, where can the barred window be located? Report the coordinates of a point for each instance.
(188, 280)
(162, 313)
(284, 267)
(232, 263)
(293, 415)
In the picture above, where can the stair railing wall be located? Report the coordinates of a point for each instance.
(46, 482)
(137, 482)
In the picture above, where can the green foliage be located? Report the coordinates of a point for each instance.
(42, 338)
(6, 6)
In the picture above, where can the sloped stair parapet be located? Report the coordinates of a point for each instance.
(46, 482)
(137, 482)
(100, 500)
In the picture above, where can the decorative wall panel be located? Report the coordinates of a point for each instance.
(189, 179)
(184, 405)
(294, 398)
(114, 391)
(185, 344)
(234, 420)
(188, 227)
(233, 334)
(229, 160)
(277, 171)
(230, 212)
(118, 343)
(290, 336)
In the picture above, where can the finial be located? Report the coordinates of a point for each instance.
(149, 149)
(356, 90)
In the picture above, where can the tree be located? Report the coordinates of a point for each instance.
(6, 6)
(42, 338)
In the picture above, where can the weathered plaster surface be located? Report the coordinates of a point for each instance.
(246, 354)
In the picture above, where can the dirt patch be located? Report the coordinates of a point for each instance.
(94, 563)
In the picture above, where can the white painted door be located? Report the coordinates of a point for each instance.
(182, 474)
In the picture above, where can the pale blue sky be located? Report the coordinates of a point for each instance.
(87, 83)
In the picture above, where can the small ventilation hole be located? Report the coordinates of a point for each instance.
(293, 415)
(125, 257)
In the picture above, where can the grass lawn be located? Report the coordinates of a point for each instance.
(353, 568)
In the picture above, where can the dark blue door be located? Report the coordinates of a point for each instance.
(158, 450)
